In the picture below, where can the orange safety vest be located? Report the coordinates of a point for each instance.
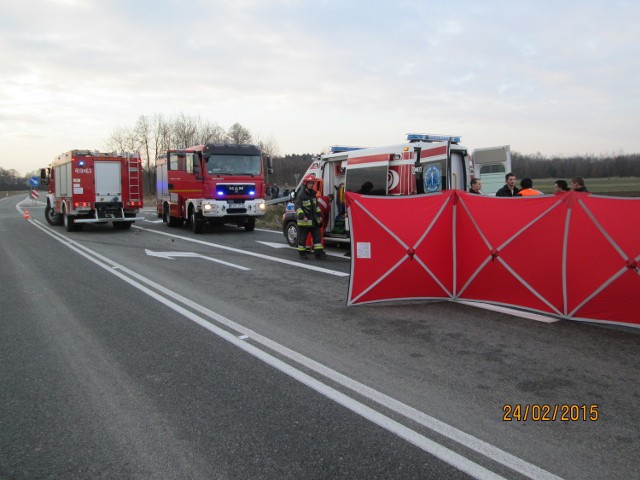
(528, 192)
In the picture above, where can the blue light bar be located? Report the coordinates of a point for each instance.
(220, 193)
(428, 137)
(343, 148)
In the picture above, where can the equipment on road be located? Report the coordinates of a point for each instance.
(87, 186)
(212, 183)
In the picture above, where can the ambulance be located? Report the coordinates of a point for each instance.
(424, 164)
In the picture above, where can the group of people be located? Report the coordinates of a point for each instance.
(274, 191)
(526, 187)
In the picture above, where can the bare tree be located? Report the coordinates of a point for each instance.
(238, 134)
(184, 131)
(268, 146)
(123, 139)
(210, 133)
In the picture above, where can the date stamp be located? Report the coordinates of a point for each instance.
(544, 412)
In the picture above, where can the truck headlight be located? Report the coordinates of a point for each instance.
(207, 207)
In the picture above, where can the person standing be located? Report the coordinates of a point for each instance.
(476, 186)
(577, 185)
(526, 188)
(309, 218)
(509, 189)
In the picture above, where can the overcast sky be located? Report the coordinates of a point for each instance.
(555, 77)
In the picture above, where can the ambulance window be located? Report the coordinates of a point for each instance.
(368, 181)
(493, 168)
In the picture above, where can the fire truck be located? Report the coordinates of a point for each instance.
(87, 186)
(211, 183)
(424, 164)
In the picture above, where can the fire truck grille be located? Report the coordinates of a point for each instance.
(236, 210)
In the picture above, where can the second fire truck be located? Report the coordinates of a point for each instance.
(212, 183)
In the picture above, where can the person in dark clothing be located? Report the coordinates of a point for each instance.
(577, 184)
(510, 189)
(475, 186)
(560, 186)
(309, 219)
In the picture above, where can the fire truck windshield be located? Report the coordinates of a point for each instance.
(234, 164)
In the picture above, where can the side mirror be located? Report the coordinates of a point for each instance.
(44, 178)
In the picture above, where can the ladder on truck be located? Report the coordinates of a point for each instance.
(133, 164)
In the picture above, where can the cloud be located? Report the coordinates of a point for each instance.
(312, 74)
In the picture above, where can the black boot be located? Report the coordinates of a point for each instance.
(303, 255)
(321, 254)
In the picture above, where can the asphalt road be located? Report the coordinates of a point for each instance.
(158, 353)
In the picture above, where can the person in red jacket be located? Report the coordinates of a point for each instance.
(324, 202)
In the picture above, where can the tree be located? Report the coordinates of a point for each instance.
(238, 134)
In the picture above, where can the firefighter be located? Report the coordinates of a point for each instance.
(309, 218)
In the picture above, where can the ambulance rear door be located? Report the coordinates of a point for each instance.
(490, 166)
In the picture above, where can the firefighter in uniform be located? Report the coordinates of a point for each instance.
(309, 218)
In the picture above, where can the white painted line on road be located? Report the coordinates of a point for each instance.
(170, 255)
(274, 244)
(477, 471)
(510, 311)
(247, 252)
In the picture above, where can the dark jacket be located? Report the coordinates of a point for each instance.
(506, 192)
(306, 205)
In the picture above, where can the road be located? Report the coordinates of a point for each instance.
(158, 353)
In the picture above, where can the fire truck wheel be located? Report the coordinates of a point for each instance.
(196, 222)
(250, 224)
(52, 217)
(174, 222)
(67, 220)
(291, 233)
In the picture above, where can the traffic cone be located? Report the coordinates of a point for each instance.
(26, 215)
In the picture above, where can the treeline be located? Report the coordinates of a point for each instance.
(539, 166)
(12, 181)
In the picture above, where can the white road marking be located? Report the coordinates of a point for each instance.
(171, 255)
(297, 264)
(510, 311)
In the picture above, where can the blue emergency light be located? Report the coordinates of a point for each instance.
(81, 163)
(429, 137)
(344, 148)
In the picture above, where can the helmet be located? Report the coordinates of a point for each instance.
(308, 178)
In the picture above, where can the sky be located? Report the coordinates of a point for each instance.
(557, 78)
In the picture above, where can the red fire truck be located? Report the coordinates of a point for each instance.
(211, 183)
(425, 163)
(91, 187)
